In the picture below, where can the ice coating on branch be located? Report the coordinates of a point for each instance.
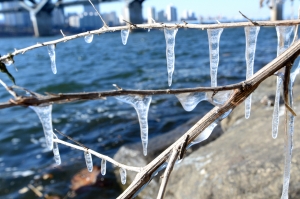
(123, 175)
(214, 40)
(44, 113)
(103, 166)
(141, 105)
(89, 38)
(170, 35)
(88, 161)
(251, 33)
(51, 52)
(283, 38)
(124, 36)
(190, 100)
(207, 132)
(288, 142)
(56, 152)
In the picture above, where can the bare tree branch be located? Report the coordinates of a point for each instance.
(154, 25)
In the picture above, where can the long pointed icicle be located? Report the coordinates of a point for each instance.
(51, 52)
(283, 38)
(124, 36)
(141, 105)
(190, 100)
(214, 40)
(251, 38)
(56, 152)
(44, 113)
(123, 175)
(288, 142)
(103, 166)
(88, 161)
(170, 35)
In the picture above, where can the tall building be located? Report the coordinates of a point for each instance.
(151, 14)
(171, 13)
(110, 18)
(58, 18)
(161, 17)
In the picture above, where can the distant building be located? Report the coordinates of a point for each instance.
(188, 15)
(58, 18)
(90, 21)
(16, 18)
(151, 14)
(171, 13)
(161, 17)
(73, 20)
(111, 19)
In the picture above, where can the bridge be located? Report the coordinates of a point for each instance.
(40, 11)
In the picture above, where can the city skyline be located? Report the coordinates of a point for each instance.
(213, 8)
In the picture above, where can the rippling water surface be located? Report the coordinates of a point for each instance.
(105, 125)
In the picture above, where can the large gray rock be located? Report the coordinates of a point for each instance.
(245, 162)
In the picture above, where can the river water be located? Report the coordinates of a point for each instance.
(105, 125)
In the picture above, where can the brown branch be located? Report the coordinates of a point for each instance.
(154, 25)
(167, 173)
(253, 22)
(238, 96)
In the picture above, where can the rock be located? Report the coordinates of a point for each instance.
(245, 162)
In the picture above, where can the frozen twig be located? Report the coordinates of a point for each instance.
(152, 26)
(104, 24)
(108, 159)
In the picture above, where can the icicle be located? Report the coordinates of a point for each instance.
(141, 105)
(56, 152)
(214, 40)
(89, 38)
(251, 38)
(103, 166)
(170, 35)
(123, 175)
(44, 113)
(283, 39)
(288, 142)
(88, 161)
(206, 133)
(51, 52)
(190, 100)
(124, 36)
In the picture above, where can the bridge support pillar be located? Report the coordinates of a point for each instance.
(40, 17)
(276, 11)
(135, 12)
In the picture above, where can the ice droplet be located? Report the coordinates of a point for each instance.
(44, 113)
(214, 40)
(88, 161)
(51, 52)
(170, 35)
(124, 36)
(251, 33)
(190, 100)
(89, 38)
(123, 175)
(141, 105)
(103, 166)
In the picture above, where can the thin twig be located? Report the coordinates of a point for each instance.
(12, 92)
(104, 24)
(152, 26)
(130, 23)
(82, 145)
(167, 173)
(253, 22)
(108, 159)
(62, 33)
(35, 190)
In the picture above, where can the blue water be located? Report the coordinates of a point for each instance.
(105, 125)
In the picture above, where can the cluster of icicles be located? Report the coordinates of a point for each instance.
(190, 100)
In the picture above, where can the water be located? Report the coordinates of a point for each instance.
(105, 125)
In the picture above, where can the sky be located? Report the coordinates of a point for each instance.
(205, 8)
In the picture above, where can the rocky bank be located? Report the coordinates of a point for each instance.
(240, 159)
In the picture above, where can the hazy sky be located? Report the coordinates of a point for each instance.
(228, 8)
